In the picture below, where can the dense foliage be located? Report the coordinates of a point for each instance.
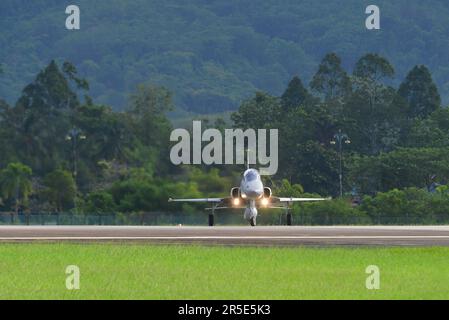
(397, 137)
(214, 53)
(66, 153)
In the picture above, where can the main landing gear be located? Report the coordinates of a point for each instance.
(211, 219)
(288, 216)
(252, 221)
(212, 215)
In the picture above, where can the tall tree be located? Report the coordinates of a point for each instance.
(315, 167)
(374, 106)
(295, 95)
(147, 119)
(430, 132)
(331, 80)
(7, 150)
(148, 108)
(70, 71)
(421, 93)
(304, 153)
(41, 119)
(49, 92)
(401, 168)
(106, 132)
(261, 111)
(60, 189)
(373, 67)
(15, 183)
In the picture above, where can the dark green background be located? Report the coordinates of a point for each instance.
(214, 53)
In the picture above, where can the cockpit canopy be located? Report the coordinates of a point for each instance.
(251, 175)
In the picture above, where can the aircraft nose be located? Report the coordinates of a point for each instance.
(254, 191)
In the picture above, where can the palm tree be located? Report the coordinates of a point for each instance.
(15, 183)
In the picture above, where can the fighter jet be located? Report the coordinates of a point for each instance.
(250, 196)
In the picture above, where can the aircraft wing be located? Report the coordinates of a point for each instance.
(219, 203)
(288, 200)
(216, 200)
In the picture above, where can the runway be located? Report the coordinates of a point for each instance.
(265, 236)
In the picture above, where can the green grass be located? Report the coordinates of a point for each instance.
(114, 271)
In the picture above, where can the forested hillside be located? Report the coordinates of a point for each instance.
(64, 153)
(214, 54)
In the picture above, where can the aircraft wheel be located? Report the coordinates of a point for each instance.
(211, 220)
(252, 221)
(289, 219)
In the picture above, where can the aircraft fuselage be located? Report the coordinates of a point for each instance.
(251, 189)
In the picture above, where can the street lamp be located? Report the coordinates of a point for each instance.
(74, 135)
(340, 138)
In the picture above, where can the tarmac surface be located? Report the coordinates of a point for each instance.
(264, 236)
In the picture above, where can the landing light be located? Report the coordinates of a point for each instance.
(264, 201)
(236, 202)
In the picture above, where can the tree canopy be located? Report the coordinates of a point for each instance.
(211, 54)
(69, 153)
(420, 92)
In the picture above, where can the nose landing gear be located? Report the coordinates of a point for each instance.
(252, 221)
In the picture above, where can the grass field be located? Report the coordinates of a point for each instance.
(115, 271)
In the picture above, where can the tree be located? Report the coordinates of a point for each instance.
(107, 132)
(304, 153)
(146, 119)
(285, 188)
(402, 168)
(49, 92)
(136, 195)
(376, 109)
(261, 111)
(373, 67)
(15, 183)
(60, 189)
(295, 95)
(432, 131)
(210, 183)
(41, 119)
(8, 151)
(99, 202)
(420, 92)
(70, 71)
(409, 205)
(148, 107)
(331, 80)
(335, 212)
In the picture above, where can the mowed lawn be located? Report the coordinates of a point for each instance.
(119, 271)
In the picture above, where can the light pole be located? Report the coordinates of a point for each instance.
(73, 135)
(340, 138)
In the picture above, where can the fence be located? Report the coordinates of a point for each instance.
(149, 219)
(201, 218)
